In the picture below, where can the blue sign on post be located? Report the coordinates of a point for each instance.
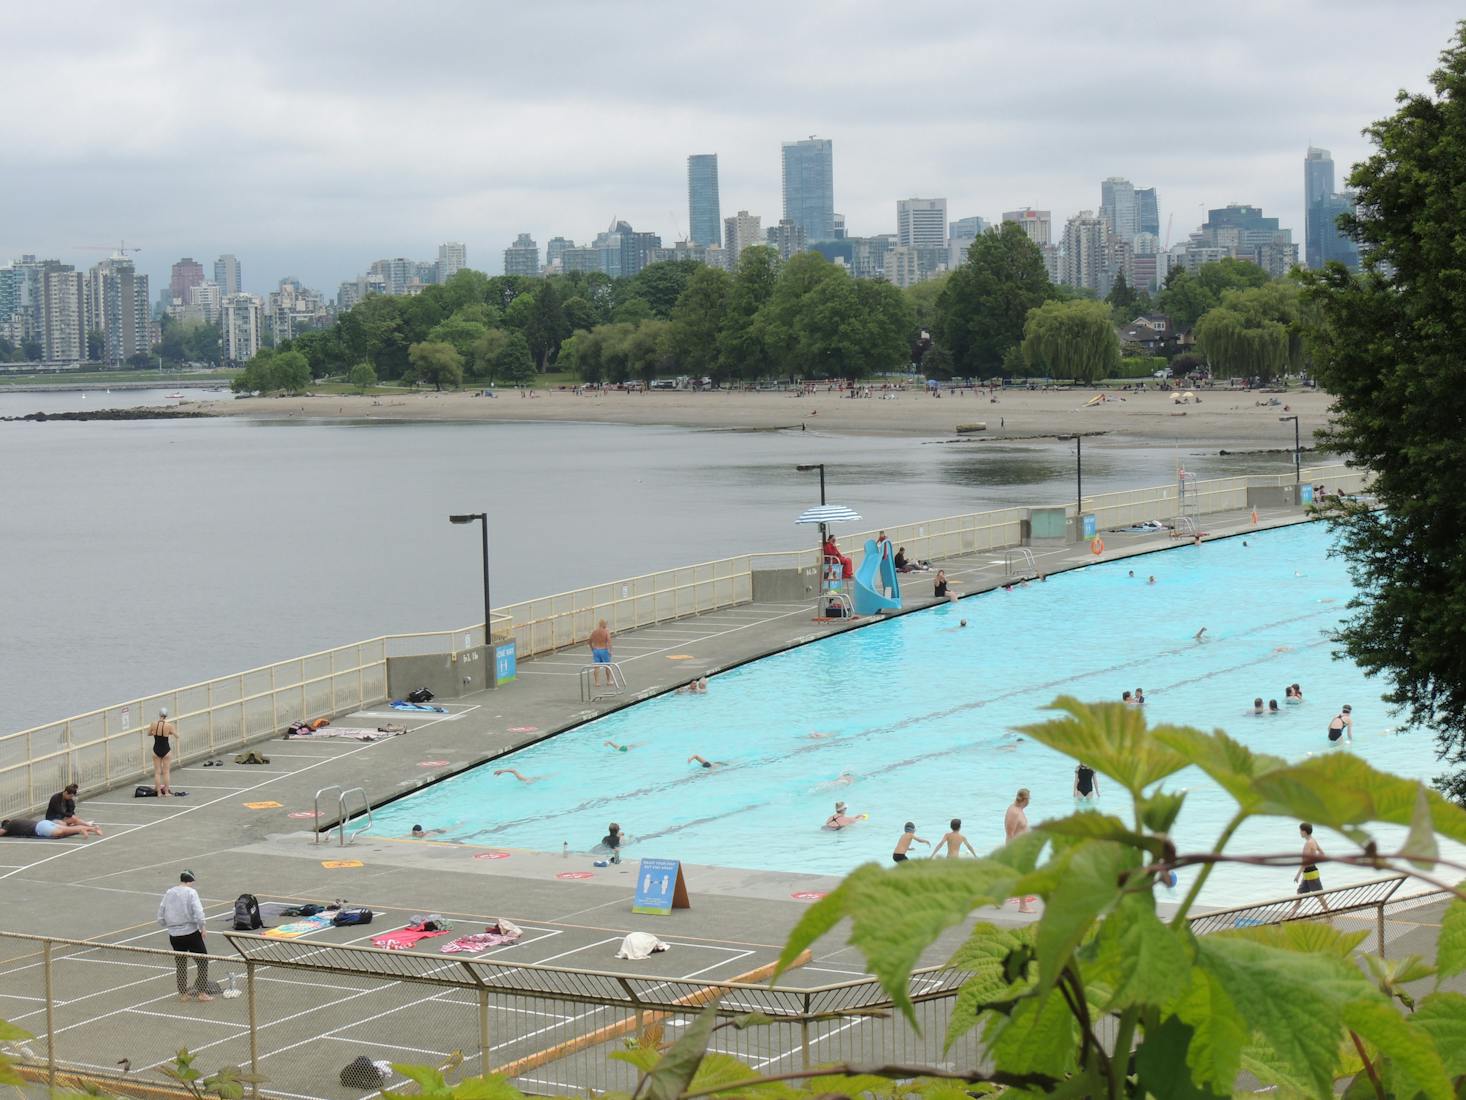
(660, 887)
(504, 662)
(1091, 528)
(1305, 494)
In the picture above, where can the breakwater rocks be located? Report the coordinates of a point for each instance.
(113, 414)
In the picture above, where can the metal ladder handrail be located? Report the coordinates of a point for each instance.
(365, 805)
(1185, 526)
(834, 596)
(333, 787)
(1022, 554)
(588, 686)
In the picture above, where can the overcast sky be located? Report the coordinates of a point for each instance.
(310, 138)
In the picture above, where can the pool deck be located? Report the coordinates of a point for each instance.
(247, 827)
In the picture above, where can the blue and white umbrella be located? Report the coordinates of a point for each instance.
(828, 513)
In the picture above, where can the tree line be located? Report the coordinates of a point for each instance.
(805, 317)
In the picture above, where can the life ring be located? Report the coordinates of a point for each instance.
(1097, 547)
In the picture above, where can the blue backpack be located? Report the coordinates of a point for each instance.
(353, 916)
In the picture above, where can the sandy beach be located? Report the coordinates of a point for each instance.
(1233, 420)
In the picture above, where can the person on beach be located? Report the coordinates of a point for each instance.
(1015, 824)
(954, 841)
(182, 916)
(600, 651)
(1341, 725)
(903, 843)
(1308, 879)
(163, 733)
(1086, 787)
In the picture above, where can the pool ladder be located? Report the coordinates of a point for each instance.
(342, 795)
(590, 690)
(1020, 556)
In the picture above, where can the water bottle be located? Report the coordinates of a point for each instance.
(565, 850)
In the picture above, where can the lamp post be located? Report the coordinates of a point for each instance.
(1078, 473)
(1297, 450)
(820, 466)
(483, 518)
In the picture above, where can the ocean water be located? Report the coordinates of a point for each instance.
(914, 719)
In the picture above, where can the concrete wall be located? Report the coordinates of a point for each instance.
(440, 673)
(785, 585)
(1272, 496)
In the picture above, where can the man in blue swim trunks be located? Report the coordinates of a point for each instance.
(600, 650)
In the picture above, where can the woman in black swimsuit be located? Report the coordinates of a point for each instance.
(163, 733)
(1342, 724)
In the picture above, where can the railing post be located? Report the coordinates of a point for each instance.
(804, 1033)
(254, 1032)
(50, 1018)
(483, 1030)
(1379, 928)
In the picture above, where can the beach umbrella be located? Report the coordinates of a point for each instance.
(828, 513)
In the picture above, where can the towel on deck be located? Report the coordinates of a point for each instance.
(403, 939)
(640, 945)
(495, 935)
(299, 928)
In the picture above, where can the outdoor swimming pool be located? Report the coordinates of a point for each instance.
(917, 712)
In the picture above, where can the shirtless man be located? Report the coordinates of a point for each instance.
(1308, 879)
(955, 842)
(600, 651)
(515, 773)
(1015, 824)
(702, 761)
(903, 845)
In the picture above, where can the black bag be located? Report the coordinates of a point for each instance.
(145, 792)
(353, 916)
(360, 1073)
(247, 913)
(420, 695)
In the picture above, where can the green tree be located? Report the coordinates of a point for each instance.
(1253, 333)
(698, 318)
(513, 361)
(632, 311)
(1125, 301)
(888, 326)
(1387, 345)
(981, 311)
(1186, 297)
(460, 331)
(436, 362)
(363, 377)
(486, 350)
(580, 314)
(801, 330)
(659, 285)
(741, 349)
(1071, 340)
(96, 346)
(547, 325)
(923, 298)
(290, 372)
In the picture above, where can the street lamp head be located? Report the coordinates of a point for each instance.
(1284, 419)
(807, 466)
(470, 518)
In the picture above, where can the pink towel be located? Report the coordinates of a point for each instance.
(403, 939)
(480, 941)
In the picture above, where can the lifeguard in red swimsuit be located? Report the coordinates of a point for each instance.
(832, 551)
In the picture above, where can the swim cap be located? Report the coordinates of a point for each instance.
(186, 876)
(162, 712)
(911, 826)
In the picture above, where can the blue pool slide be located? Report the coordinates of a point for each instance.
(877, 570)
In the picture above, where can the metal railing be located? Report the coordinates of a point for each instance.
(305, 1009)
(105, 748)
(591, 687)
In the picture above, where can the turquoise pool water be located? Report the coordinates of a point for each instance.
(913, 718)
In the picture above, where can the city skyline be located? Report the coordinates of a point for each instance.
(173, 173)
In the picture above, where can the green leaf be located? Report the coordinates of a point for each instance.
(1390, 974)
(675, 1070)
(427, 1078)
(720, 1070)
(1160, 1063)
(1342, 790)
(644, 1058)
(1219, 1031)
(1292, 1001)
(1443, 1017)
(1305, 936)
(1112, 739)
(1140, 959)
(852, 1085)
(1021, 853)
(1039, 1036)
(898, 913)
(752, 1019)
(1420, 843)
(1093, 826)
(488, 1087)
(1158, 811)
(9, 1033)
(1228, 761)
(1450, 946)
(1411, 1051)
(997, 961)
(1078, 886)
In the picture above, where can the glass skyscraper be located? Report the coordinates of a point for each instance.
(705, 223)
(1148, 213)
(809, 187)
(1323, 240)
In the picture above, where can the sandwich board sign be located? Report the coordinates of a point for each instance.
(660, 887)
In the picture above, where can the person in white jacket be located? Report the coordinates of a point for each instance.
(181, 913)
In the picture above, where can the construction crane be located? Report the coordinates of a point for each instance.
(120, 250)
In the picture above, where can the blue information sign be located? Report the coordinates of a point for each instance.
(660, 887)
(1305, 494)
(504, 662)
(1091, 528)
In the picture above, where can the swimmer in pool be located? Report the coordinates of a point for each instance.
(418, 832)
(1272, 707)
(1151, 580)
(817, 735)
(704, 763)
(516, 774)
(1200, 635)
(1010, 746)
(844, 779)
(613, 745)
(839, 819)
(697, 687)
(1257, 708)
